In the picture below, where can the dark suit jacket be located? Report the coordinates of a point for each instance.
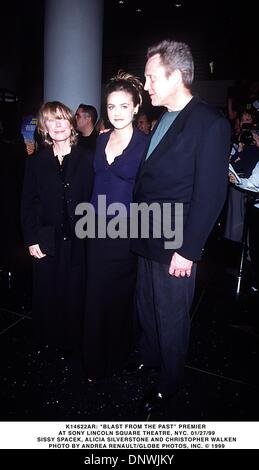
(188, 166)
(42, 201)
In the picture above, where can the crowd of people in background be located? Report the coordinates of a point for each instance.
(242, 205)
(87, 294)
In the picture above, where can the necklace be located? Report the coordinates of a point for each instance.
(60, 158)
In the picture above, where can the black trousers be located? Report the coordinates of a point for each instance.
(163, 304)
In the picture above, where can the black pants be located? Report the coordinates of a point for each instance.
(163, 304)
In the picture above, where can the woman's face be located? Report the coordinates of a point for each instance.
(120, 109)
(59, 129)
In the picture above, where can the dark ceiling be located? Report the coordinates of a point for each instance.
(218, 31)
(221, 32)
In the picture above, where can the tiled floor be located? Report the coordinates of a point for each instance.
(221, 375)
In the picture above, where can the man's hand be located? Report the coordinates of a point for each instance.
(36, 252)
(180, 266)
(30, 147)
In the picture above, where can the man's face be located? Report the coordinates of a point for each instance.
(143, 124)
(82, 119)
(159, 86)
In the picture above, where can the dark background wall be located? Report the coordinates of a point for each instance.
(21, 50)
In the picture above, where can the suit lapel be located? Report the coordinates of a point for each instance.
(73, 161)
(50, 163)
(175, 128)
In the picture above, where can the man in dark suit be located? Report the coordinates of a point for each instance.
(86, 117)
(186, 162)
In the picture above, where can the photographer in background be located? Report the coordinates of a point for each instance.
(246, 117)
(252, 184)
(245, 149)
(244, 156)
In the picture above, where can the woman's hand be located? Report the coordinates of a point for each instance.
(232, 178)
(240, 147)
(36, 252)
(256, 138)
(30, 147)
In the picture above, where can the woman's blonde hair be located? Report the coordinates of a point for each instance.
(55, 110)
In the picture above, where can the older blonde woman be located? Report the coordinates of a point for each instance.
(57, 178)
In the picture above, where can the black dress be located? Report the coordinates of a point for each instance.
(50, 194)
(111, 267)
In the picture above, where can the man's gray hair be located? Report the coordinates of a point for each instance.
(175, 56)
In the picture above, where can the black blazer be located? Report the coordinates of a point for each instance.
(42, 203)
(190, 166)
